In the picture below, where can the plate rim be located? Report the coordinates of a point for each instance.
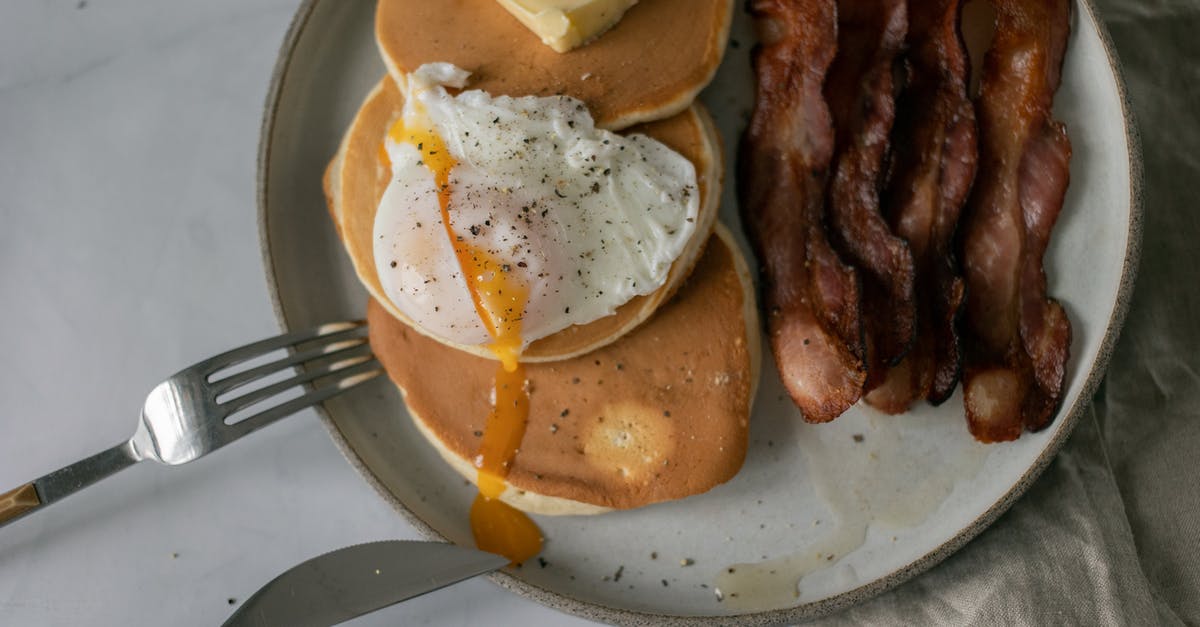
(599, 612)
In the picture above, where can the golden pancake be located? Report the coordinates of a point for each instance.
(356, 179)
(649, 66)
(661, 414)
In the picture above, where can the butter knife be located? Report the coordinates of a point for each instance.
(355, 580)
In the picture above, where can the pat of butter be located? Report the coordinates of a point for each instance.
(567, 24)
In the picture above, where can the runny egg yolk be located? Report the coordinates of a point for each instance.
(500, 302)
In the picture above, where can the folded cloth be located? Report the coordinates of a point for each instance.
(1110, 534)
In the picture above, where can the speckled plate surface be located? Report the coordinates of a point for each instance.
(823, 500)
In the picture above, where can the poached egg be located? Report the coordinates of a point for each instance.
(509, 219)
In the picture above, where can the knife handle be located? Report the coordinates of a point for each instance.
(18, 502)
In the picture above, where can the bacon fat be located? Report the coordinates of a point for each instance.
(812, 299)
(1017, 338)
(860, 91)
(934, 162)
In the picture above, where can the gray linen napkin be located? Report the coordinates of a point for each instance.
(1110, 534)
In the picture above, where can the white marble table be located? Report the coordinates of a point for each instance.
(128, 136)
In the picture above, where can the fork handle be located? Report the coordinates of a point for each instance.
(65, 481)
(16, 503)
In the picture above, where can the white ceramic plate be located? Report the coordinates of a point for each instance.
(913, 490)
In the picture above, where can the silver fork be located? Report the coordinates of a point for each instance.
(189, 415)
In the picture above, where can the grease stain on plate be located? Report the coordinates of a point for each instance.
(869, 470)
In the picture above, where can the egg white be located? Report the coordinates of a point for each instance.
(585, 218)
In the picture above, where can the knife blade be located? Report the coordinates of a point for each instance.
(355, 580)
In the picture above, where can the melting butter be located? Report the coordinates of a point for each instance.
(567, 24)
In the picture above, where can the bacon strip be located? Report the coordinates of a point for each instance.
(934, 161)
(1017, 338)
(860, 92)
(811, 298)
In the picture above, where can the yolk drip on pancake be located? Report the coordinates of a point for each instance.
(498, 527)
(500, 302)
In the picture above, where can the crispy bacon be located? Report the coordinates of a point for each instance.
(934, 160)
(860, 92)
(1017, 339)
(812, 299)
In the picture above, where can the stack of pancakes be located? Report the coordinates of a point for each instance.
(646, 405)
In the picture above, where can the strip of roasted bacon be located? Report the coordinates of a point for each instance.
(1017, 339)
(860, 91)
(812, 299)
(934, 158)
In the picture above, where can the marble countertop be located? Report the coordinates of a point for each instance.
(129, 250)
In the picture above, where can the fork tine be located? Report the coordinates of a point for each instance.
(325, 351)
(328, 332)
(351, 377)
(249, 398)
